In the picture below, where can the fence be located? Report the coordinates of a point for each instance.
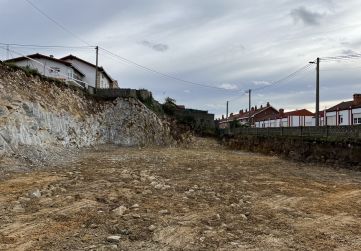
(346, 132)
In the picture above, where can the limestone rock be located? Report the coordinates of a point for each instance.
(119, 211)
(37, 114)
(113, 238)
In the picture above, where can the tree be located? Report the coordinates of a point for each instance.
(169, 106)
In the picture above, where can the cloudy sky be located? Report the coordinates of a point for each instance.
(232, 44)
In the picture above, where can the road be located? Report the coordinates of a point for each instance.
(202, 197)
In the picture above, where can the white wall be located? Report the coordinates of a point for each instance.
(65, 72)
(309, 121)
(89, 72)
(103, 81)
(341, 118)
(331, 118)
(356, 116)
(292, 121)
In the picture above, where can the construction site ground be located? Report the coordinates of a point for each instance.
(199, 197)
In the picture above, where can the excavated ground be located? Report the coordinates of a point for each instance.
(202, 197)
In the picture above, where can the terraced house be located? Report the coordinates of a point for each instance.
(345, 113)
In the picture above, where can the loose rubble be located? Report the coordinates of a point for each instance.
(108, 198)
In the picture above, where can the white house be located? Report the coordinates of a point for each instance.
(287, 119)
(345, 113)
(244, 117)
(89, 69)
(50, 67)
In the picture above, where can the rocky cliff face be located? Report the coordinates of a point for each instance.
(39, 113)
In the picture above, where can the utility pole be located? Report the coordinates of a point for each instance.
(318, 92)
(249, 106)
(7, 52)
(317, 114)
(227, 110)
(96, 69)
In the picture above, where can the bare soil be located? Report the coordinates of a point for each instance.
(202, 197)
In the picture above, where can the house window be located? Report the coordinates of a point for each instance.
(356, 118)
(54, 70)
(357, 121)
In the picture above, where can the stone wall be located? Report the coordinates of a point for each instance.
(202, 119)
(343, 153)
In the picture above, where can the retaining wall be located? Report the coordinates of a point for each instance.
(342, 153)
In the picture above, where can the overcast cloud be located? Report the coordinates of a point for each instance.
(306, 16)
(232, 44)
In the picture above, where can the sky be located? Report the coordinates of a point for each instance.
(234, 45)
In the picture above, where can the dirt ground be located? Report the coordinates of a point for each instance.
(203, 197)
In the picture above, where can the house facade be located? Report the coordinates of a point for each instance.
(89, 69)
(246, 117)
(50, 67)
(287, 119)
(345, 113)
(71, 69)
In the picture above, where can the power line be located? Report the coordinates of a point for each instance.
(342, 57)
(235, 97)
(286, 78)
(125, 60)
(57, 23)
(122, 58)
(46, 46)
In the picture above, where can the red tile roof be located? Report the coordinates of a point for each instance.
(302, 112)
(344, 106)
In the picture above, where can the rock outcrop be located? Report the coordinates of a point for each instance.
(41, 113)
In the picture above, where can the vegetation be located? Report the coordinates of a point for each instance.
(152, 104)
(169, 106)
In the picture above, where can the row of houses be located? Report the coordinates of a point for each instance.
(344, 113)
(70, 69)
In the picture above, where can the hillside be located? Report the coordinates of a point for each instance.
(37, 115)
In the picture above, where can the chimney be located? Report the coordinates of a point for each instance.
(255, 108)
(246, 110)
(261, 106)
(252, 109)
(222, 116)
(357, 99)
(52, 56)
(241, 111)
(281, 111)
(268, 105)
